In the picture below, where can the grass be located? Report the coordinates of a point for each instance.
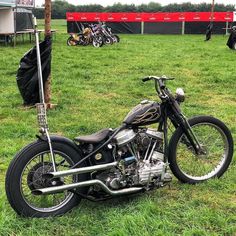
(95, 88)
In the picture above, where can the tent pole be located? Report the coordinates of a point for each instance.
(47, 18)
(14, 12)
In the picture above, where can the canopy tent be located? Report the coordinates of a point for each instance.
(15, 16)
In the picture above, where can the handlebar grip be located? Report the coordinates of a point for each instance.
(146, 79)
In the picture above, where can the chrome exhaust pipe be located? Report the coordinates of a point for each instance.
(79, 170)
(58, 189)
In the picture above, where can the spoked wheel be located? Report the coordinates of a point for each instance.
(25, 174)
(71, 41)
(108, 40)
(97, 42)
(116, 38)
(217, 151)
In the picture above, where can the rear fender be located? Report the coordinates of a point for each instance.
(61, 139)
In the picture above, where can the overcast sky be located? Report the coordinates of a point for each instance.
(137, 2)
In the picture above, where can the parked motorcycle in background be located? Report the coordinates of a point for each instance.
(90, 35)
(51, 175)
(95, 34)
(108, 36)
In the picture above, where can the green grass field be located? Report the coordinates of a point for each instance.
(95, 88)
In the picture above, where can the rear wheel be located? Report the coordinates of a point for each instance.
(217, 144)
(25, 174)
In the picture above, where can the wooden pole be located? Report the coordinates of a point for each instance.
(212, 10)
(47, 17)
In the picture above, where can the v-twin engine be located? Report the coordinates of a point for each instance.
(141, 160)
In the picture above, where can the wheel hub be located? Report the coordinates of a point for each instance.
(35, 179)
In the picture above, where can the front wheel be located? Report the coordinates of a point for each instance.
(216, 142)
(97, 41)
(117, 38)
(25, 174)
(71, 41)
(108, 40)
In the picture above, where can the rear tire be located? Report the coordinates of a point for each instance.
(217, 142)
(35, 160)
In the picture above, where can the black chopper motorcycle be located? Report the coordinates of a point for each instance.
(51, 175)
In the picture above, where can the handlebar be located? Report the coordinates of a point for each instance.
(159, 83)
(146, 79)
(160, 80)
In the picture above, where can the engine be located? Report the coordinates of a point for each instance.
(141, 160)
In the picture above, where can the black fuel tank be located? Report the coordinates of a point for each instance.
(146, 113)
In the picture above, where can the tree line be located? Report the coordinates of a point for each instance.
(60, 7)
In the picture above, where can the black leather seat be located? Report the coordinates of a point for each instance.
(94, 138)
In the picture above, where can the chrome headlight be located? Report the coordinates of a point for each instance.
(179, 95)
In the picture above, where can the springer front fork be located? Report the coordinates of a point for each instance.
(43, 129)
(41, 107)
(192, 138)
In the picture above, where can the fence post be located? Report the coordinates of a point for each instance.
(226, 28)
(142, 27)
(183, 27)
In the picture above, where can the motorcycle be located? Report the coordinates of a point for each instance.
(90, 35)
(51, 175)
(108, 36)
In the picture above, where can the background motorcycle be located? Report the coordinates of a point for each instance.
(44, 180)
(115, 37)
(83, 38)
(108, 36)
(90, 35)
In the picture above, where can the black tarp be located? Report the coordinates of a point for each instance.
(76, 27)
(155, 27)
(23, 21)
(163, 27)
(209, 31)
(125, 27)
(27, 74)
(232, 39)
(117, 27)
(200, 27)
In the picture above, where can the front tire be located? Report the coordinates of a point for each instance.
(117, 38)
(25, 174)
(217, 142)
(97, 41)
(71, 41)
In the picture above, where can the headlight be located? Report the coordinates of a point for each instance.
(179, 95)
